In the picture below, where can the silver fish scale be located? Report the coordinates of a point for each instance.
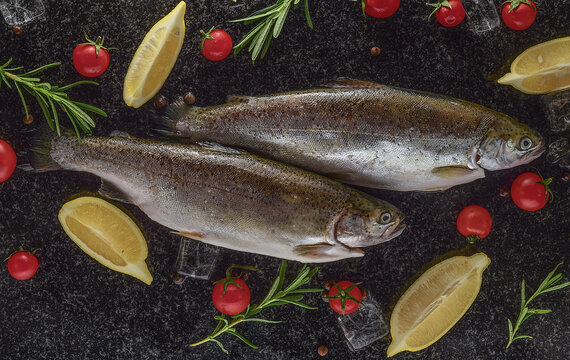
(222, 197)
(381, 138)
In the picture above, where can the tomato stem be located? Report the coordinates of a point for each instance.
(472, 238)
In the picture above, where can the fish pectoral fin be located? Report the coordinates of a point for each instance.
(195, 235)
(348, 83)
(112, 192)
(322, 251)
(237, 99)
(452, 172)
(312, 250)
(221, 148)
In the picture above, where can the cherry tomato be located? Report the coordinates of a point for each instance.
(8, 161)
(235, 299)
(22, 265)
(474, 222)
(381, 8)
(345, 297)
(449, 13)
(216, 44)
(91, 59)
(530, 191)
(519, 14)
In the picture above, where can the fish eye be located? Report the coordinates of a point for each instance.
(525, 143)
(385, 217)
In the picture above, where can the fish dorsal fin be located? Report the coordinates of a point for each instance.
(221, 148)
(237, 99)
(112, 192)
(120, 134)
(347, 83)
(452, 172)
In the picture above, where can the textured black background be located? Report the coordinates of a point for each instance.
(76, 309)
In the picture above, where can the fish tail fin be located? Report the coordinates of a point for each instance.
(39, 155)
(167, 124)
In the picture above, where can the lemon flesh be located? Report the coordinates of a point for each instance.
(542, 68)
(435, 302)
(155, 57)
(106, 234)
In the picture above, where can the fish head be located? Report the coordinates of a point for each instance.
(360, 227)
(509, 144)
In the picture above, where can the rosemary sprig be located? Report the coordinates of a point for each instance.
(278, 295)
(270, 22)
(48, 96)
(526, 312)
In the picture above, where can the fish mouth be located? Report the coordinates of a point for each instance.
(396, 231)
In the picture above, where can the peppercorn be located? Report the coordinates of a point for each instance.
(328, 285)
(178, 278)
(375, 51)
(504, 190)
(17, 30)
(189, 98)
(160, 102)
(322, 350)
(28, 119)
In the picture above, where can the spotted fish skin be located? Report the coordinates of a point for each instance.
(228, 197)
(366, 134)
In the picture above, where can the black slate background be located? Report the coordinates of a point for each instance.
(76, 309)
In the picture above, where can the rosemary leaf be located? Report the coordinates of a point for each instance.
(46, 94)
(270, 23)
(275, 297)
(525, 313)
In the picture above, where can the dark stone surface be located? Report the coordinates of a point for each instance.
(75, 308)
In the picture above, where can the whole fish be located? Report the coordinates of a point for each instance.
(228, 197)
(366, 134)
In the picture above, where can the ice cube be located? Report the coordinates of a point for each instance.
(196, 259)
(20, 12)
(557, 108)
(365, 325)
(482, 15)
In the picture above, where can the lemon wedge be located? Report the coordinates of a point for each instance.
(435, 302)
(106, 234)
(542, 68)
(155, 58)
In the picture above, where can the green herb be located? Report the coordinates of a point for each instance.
(270, 22)
(277, 295)
(48, 96)
(526, 312)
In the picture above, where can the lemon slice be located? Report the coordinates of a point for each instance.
(106, 234)
(435, 302)
(155, 58)
(542, 68)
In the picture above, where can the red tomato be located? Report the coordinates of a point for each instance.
(8, 161)
(449, 16)
(349, 293)
(530, 191)
(91, 59)
(22, 265)
(519, 14)
(234, 300)
(381, 8)
(474, 222)
(216, 44)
